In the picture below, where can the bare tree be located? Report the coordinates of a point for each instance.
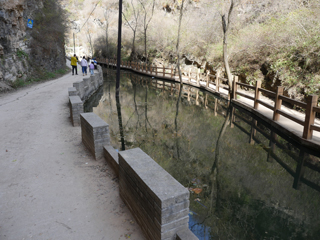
(225, 28)
(89, 40)
(146, 5)
(106, 17)
(133, 26)
(179, 71)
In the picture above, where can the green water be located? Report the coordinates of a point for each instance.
(238, 190)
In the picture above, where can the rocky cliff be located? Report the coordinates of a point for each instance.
(21, 53)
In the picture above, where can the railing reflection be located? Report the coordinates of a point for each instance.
(301, 155)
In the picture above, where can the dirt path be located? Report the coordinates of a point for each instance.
(50, 185)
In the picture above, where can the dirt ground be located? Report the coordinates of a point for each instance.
(50, 185)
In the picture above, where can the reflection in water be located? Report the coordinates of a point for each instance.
(120, 122)
(240, 177)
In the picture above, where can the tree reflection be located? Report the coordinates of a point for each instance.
(120, 120)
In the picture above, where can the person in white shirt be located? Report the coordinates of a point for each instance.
(84, 65)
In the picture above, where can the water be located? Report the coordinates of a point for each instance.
(241, 186)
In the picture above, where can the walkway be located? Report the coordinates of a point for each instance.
(50, 186)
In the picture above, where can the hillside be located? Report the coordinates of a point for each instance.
(30, 54)
(273, 41)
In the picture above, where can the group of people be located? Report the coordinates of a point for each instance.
(84, 65)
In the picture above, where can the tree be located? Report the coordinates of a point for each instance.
(225, 28)
(133, 26)
(146, 5)
(89, 40)
(106, 17)
(180, 75)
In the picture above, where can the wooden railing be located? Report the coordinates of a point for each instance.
(310, 108)
(193, 77)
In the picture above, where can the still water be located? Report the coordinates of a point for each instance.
(240, 182)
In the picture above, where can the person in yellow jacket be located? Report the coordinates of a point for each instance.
(74, 61)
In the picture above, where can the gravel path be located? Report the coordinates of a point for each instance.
(50, 185)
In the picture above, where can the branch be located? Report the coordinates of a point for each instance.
(229, 14)
(128, 22)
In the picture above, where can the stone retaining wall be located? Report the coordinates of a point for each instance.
(83, 90)
(95, 133)
(159, 202)
(76, 108)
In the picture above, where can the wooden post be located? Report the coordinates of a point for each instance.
(312, 101)
(215, 106)
(277, 104)
(234, 87)
(188, 94)
(164, 71)
(197, 97)
(233, 117)
(189, 75)
(206, 101)
(273, 138)
(171, 71)
(253, 131)
(257, 94)
(156, 70)
(163, 85)
(300, 169)
(217, 80)
(198, 76)
(207, 85)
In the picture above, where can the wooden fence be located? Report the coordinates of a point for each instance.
(214, 83)
(310, 108)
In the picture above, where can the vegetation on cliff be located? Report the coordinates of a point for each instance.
(47, 45)
(31, 54)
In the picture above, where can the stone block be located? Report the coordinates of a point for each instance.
(159, 203)
(72, 91)
(165, 189)
(80, 88)
(76, 108)
(91, 126)
(88, 88)
(93, 83)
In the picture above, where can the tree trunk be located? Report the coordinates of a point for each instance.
(133, 47)
(145, 44)
(226, 63)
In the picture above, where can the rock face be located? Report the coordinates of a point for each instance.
(15, 40)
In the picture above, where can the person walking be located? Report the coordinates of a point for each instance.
(84, 65)
(74, 61)
(91, 68)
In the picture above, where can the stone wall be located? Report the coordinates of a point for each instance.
(80, 92)
(76, 108)
(95, 133)
(159, 202)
